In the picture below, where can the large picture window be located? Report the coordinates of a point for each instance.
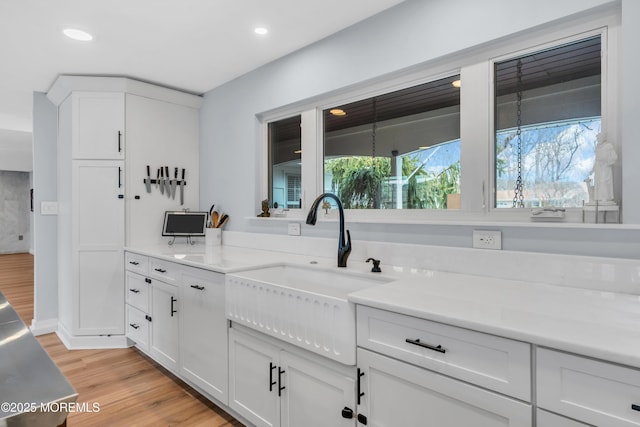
(548, 114)
(399, 150)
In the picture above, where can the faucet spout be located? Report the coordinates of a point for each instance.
(344, 246)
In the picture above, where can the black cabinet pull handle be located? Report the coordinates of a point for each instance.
(280, 386)
(271, 381)
(119, 142)
(635, 407)
(146, 316)
(417, 342)
(146, 279)
(135, 291)
(134, 326)
(360, 393)
(173, 300)
(200, 288)
(119, 177)
(160, 270)
(134, 263)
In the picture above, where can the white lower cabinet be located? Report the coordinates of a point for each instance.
(593, 391)
(271, 384)
(165, 344)
(395, 393)
(547, 419)
(204, 332)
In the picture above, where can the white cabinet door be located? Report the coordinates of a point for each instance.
(314, 395)
(98, 241)
(97, 125)
(204, 332)
(253, 379)
(399, 394)
(165, 343)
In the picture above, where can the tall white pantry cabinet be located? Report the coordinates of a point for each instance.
(109, 130)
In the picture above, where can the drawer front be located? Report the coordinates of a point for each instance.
(137, 291)
(496, 363)
(588, 390)
(547, 419)
(164, 270)
(136, 263)
(138, 328)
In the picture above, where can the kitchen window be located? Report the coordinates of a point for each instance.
(285, 162)
(547, 117)
(441, 143)
(397, 150)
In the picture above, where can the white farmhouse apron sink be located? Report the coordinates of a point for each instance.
(304, 305)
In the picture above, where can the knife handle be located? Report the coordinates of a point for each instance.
(175, 173)
(183, 174)
(149, 171)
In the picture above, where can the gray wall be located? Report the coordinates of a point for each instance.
(45, 130)
(15, 233)
(392, 42)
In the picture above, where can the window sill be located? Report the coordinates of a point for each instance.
(470, 222)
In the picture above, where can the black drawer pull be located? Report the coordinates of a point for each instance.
(635, 407)
(135, 291)
(146, 279)
(200, 288)
(173, 311)
(347, 412)
(359, 392)
(417, 342)
(271, 381)
(280, 386)
(160, 270)
(134, 326)
(133, 263)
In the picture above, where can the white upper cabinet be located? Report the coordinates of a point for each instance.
(98, 125)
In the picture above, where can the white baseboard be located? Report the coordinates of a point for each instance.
(41, 327)
(84, 342)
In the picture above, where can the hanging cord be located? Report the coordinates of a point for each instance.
(518, 197)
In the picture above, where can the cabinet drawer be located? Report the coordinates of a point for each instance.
(136, 263)
(489, 361)
(138, 328)
(137, 291)
(588, 390)
(164, 270)
(547, 419)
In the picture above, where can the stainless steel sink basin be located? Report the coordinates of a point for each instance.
(304, 305)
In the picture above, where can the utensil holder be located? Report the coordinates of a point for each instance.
(213, 237)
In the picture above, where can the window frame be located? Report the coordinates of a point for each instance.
(477, 123)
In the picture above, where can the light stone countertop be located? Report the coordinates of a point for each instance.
(594, 323)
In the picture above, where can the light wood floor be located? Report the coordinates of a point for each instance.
(130, 388)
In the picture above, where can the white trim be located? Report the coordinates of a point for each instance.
(90, 341)
(42, 327)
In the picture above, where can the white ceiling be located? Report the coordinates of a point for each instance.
(193, 45)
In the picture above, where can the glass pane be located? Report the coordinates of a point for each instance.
(399, 150)
(547, 119)
(285, 168)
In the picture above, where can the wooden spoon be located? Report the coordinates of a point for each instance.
(214, 219)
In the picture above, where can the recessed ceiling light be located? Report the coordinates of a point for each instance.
(338, 112)
(74, 33)
(260, 31)
(456, 83)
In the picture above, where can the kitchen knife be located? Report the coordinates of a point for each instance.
(157, 178)
(173, 184)
(148, 180)
(167, 181)
(161, 180)
(182, 189)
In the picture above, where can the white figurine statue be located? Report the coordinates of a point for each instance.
(603, 171)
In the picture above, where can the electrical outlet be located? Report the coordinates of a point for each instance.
(294, 229)
(487, 239)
